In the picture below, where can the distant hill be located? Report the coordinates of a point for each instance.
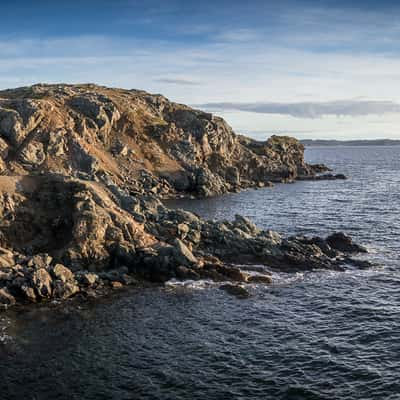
(376, 142)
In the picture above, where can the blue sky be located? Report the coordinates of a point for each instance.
(308, 68)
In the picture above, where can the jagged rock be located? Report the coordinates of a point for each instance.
(62, 273)
(86, 131)
(245, 224)
(185, 273)
(6, 258)
(6, 298)
(40, 261)
(182, 254)
(88, 279)
(33, 155)
(43, 283)
(64, 290)
(342, 242)
(28, 293)
(83, 171)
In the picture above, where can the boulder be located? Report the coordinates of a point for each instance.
(6, 258)
(182, 254)
(88, 279)
(64, 290)
(62, 273)
(28, 293)
(6, 298)
(42, 282)
(235, 290)
(40, 261)
(116, 284)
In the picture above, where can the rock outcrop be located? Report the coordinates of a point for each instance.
(61, 236)
(137, 141)
(83, 171)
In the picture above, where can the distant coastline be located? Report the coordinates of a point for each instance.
(327, 142)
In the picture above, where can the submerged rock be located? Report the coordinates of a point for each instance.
(235, 290)
(267, 279)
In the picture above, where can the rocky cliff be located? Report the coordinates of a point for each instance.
(84, 169)
(137, 141)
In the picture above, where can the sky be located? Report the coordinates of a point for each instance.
(311, 69)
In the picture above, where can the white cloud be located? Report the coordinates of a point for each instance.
(177, 81)
(310, 109)
(235, 72)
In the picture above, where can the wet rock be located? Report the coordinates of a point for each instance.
(267, 279)
(361, 264)
(185, 273)
(231, 272)
(235, 290)
(344, 243)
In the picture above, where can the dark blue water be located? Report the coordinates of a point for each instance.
(326, 335)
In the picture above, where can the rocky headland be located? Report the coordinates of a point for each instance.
(84, 169)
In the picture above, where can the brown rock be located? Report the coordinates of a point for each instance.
(62, 273)
(6, 299)
(63, 290)
(42, 282)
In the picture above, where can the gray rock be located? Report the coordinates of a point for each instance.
(342, 242)
(182, 254)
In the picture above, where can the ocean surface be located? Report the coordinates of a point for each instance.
(324, 335)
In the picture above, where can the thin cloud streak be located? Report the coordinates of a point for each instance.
(353, 108)
(178, 81)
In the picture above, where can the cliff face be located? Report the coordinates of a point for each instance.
(84, 168)
(137, 141)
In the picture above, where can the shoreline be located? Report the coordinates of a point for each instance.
(83, 171)
(181, 245)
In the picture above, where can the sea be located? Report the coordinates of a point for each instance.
(313, 335)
